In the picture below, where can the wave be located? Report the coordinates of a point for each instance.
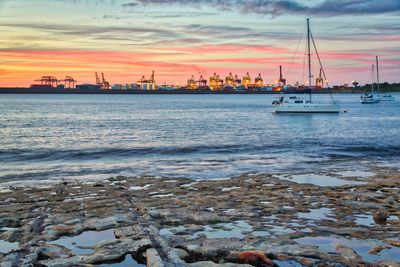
(87, 154)
(12, 155)
(360, 151)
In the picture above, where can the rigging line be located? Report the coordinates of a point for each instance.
(322, 67)
(295, 53)
(369, 79)
(304, 67)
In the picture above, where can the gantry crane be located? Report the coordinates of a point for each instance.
(49, 81)
(202, 82)
(102, 82)
(69, 82)
(259, 82)
(281, 81)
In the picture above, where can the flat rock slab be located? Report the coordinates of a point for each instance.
(165, 221)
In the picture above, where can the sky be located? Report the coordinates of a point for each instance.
(179, 38)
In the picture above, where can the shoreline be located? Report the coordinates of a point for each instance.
(27, 90)
(256, 219)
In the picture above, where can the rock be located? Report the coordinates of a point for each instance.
(26, 256)
(153, 259)
(114, 249)
(213, 264)
(387, 264)
(37, 225)
(50, 251)
(181, 253)
(61, 230)
(183, 232)
(305, 262)
(9, 222)
(135, 232)
(347, 252)
(394, 243)
(380, 217)
(377, 249)
(12, 235)
(108, 223)
(155, 214)
(256, 258)
(73, 221)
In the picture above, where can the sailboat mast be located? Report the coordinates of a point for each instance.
(373, 72)
(377, 73)
(309, 55)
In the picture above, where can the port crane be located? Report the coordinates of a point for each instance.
(48, 80)
(148, 84)
(202, 82)
(247, 80)
(259, 81)
(102, 82)
(69, 82)
(281, 81)
(216, 82)
(230, 81)
(237, 80)
(192, 83)
(319, 82)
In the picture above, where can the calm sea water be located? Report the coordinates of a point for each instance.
(198, 136)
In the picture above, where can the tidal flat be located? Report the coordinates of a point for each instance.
(248, 220)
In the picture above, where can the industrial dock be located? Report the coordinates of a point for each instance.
(215, 84)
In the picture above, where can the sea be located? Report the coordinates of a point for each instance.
(52, 137)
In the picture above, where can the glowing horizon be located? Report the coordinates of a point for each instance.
(129, 39)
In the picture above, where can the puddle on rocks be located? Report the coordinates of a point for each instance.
(138, 188)
(83, 243)
(235, 229)
(171, 230)
(261, 233)
(328, 244)
(364, 219)
(317, 214)
(128, 261)
(287, 263)
(319, 180)
(279, 230)
(6, 246)
(368, 219)
(356, 173)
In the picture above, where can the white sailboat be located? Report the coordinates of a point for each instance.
(296, 104)
(373, 97)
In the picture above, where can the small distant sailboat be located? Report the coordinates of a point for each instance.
(295, 104)
(373, 97)
(385, 97)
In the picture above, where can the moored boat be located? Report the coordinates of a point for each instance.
(373, 97)
(295, 104)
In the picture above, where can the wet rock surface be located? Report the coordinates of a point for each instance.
(250, 220)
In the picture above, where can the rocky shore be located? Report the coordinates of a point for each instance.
(250, 220)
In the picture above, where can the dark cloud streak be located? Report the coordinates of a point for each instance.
(279, 7)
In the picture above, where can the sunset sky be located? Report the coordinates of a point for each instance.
(180, 38)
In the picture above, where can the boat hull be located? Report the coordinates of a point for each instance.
(369, 101)
(307, 108)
